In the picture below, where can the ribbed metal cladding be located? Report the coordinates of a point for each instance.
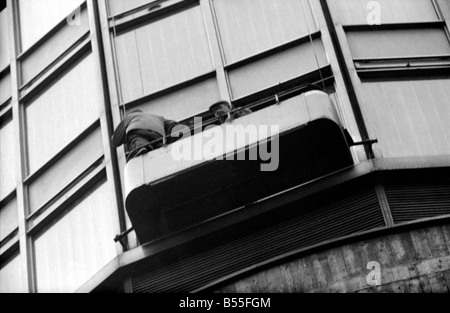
(353, 214)
(409, 202)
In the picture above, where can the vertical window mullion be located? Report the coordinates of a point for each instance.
(107, 108)
(26, 251)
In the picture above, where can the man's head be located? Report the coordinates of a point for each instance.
(221, 110)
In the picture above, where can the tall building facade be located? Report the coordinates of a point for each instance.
(359, 200)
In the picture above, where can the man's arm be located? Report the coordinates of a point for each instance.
(169, 125)
(120, 133)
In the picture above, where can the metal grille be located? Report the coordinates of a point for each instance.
(316, 224)
(409, 202)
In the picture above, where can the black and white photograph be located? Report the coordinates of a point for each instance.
(225, 152)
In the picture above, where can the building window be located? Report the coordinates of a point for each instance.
(277, 68)
(444, 8)
(8, 159)
(62, 112)
(163, 53)
(383, 52)
(403, 67)
(349, 12)
(11, 276)
(425, 42)
(409, 116)
(411, 35)
(269, 46)
(63, 41)
(77, 245)
(4, 37)
(5, 87)
(120, 6)
(66, 171)
(248, 27)
(8, 218)
(38, 17)
(184, 103)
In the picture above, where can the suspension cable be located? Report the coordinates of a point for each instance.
(116, 69)
(312, 44)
